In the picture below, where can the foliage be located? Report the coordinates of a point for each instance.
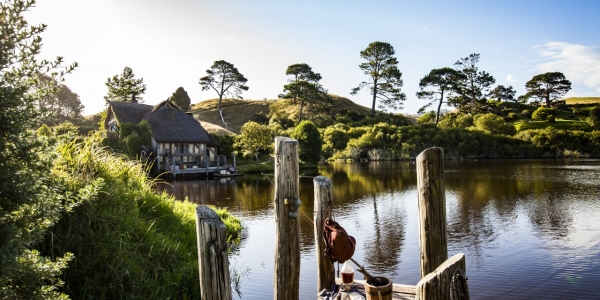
(542, 113)
(547, 87)
(472, 85)
(134, 136)
(593, 119)
(125, 88)
(28, 204)
(385, 79)
(226, 142)
(181, 99)
(501, 93)
(305, 89)
(494, 124)
(438, 81)
(457, 121)
(254, 137)
(429, 117)
(335, 138)
(309, 141)
(63, 105)
(129, 241)
(226, 80)
(67, 128)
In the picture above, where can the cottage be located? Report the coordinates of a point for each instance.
(178, 140)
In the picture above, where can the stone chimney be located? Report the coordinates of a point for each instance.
(133, 100)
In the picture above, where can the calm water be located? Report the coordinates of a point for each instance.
(529, 228)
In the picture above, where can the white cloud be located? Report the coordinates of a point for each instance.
(510, 78)
(579, 63)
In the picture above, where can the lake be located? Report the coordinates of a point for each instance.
(529, 228)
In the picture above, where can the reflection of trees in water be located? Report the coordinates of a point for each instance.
(490, 196)
(551, 216)
(382, 248)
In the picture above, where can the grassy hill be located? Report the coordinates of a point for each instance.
(582, 100)
(238, 112)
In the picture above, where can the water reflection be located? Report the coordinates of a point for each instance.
(529, 224)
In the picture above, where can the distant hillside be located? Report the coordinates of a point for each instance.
(238, 112)
(582, 100)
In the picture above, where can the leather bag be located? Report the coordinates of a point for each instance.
(339, 246)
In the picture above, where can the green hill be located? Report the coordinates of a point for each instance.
(582, 100)
(238, 112)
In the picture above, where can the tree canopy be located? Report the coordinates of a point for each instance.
(255, 137)
(385, 79)
(309, 141)
(304, 88)
(181, 99)
(547, 87)
(125, 87)
(28, 205)
(501, 93)
(62, 105)
(226, 80)
(438, 81)
(471, 89)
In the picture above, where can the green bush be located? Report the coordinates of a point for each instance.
(593, 118)
(427, 118)
(494, 124)
(542, 113)
(309, 141)
(526, 113)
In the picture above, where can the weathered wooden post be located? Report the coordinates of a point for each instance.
(323, 210)
(433, 243)
(286, 280)
(213, 262)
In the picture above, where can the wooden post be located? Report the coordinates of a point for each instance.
(213, 262)
(286, 281)
(436, 285)
(433, 243)
(323, 209)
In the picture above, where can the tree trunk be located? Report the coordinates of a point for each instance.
(437, 116)
(374, 98)
(300, 113)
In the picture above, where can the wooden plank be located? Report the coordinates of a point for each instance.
(286, 281)
(213, 263)
(323, 209)
(436, 285)
(433, 243)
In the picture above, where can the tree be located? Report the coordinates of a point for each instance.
(472, 86)
(181, 99)
(125, 88)
(226, 80)
(61, 106)
(255, 137)
(439, 81)
(547, 87)
(28, 204)
(385, 79)
(305, 89)
(310, 142)
(501, 92)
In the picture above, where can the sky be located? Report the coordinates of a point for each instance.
(171, 43)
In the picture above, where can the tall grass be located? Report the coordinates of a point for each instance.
(128, 241)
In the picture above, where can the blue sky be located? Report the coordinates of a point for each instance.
(172, 43)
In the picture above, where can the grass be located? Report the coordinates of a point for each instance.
(238, 112)
(128, 241)
(558, 124)
(582, 100)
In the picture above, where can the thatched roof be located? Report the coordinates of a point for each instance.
(168, 123)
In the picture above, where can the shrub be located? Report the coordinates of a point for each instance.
(494, 124)
(542, 113)
(309, 141)
(526, 113)
(427, 118)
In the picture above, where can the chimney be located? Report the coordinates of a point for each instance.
(133, 100)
